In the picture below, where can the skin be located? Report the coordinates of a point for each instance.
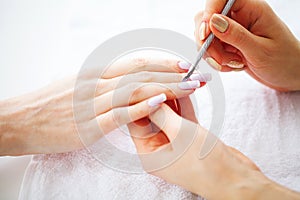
(43, 121)
(255, 37)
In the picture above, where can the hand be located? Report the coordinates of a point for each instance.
(252, 37)
(43, 121)
(173, 154)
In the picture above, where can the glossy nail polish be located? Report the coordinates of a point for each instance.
(219, 23)
(184, 65)
(156, 100)
(202, 31)
(201, 77)
(188, 85)
(212, 62)
(235, 64)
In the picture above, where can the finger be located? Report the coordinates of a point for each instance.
(201, 28)
(217, 56)
(234, 34)
(222, 60)
(106, 85)
(136, 92)
(216, 6)
(124, 115)
(186, 109)
(171, 123)
(212, 6)
(148, 144)
(133, 65)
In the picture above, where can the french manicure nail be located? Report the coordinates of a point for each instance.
(155, 101)
(212, 62)
(219, 23)
(188, 85)
(201, 77)
(235, 64)
(184, 65)
(202, 31)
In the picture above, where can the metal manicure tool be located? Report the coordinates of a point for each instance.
(207, 42)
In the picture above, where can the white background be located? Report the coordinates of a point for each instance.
(45, 40)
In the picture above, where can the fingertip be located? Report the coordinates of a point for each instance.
(184, 65)
(157, 100)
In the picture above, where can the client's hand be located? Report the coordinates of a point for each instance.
(252, 37)
(174, 155)
(43, 121)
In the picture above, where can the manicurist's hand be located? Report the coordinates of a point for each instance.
(173, 154)
(251, 37)
(43, 121)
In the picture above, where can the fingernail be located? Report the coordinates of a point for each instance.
(184, 65)
(155, 101)
(202, 31)
(235, 64)
(238, 70)
(219, 23)
(189, 85)
(214, 63)
(201, 77)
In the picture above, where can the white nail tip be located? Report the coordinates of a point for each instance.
(155, 101)
(189, 85)
(201, 77)
(184, 65)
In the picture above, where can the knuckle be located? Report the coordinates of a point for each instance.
(239, 36)
(116, 117)
(137, 112)
(132, 86)
(146, 76)
(140, 62)
(198, 16)
(169, 64)
(139, 92)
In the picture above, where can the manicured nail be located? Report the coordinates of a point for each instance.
(201, 77)
(214, 63)
(219, 23)
(202, 31)
(235, 64)
(238, 70)
(184, 65)
(188, 85)
(155, 101)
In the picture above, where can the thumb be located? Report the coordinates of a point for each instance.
(231, 32)
(173, 125)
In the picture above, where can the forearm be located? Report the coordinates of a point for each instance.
(261, 188)
(294, 66)
(298, 67)
(11, 134)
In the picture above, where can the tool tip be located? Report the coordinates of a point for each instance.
(185, 79)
